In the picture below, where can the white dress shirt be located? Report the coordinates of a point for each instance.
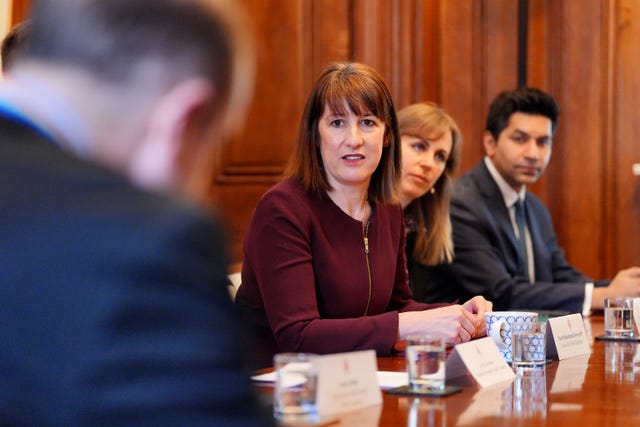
(510, 197)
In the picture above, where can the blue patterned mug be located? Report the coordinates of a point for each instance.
(499, 324)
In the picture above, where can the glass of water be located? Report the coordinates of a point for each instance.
(294, 397)
(529, 346)
(618, 317)
(426, 363)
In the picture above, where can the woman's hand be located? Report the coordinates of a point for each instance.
(479, 306)
(453, 323)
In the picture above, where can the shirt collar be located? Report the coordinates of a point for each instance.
(509, 195)
(37, 104)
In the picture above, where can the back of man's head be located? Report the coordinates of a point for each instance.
(522, 100)
(118, 41)
(156, 82)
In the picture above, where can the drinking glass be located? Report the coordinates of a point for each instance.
(529, 346)
(295, 389)
(618, 317)
(426, 362)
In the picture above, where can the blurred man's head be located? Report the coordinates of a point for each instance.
(158, 81)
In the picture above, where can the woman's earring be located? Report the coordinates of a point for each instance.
(433, 190)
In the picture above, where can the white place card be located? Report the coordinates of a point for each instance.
(346, 381)
(480, 358)
(567, 337)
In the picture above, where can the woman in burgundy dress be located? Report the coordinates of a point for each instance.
(324, 266)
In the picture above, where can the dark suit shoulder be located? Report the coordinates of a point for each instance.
(130, 290)
(471, 183)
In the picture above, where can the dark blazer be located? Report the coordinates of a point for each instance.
(430, 283)
(486, 256)
(114, 302)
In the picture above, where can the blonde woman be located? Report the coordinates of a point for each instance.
(431, 145)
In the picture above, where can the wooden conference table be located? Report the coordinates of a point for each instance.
(601, 389)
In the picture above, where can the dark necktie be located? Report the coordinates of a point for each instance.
(521, 223)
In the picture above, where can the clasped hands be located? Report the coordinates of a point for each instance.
(455, 323)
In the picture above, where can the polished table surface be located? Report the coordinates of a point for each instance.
(600, 389)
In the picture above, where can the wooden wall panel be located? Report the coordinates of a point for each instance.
(403, 66)
(270, 135)
(331, 34)
(399, 39)
(254, 161)
(427, 52)
(460, 86)
(19, 10)
(478, 59)
(500, 47)
(544, 72)
(578, 154)
(624, 212)
(373, 36)
(543, 42)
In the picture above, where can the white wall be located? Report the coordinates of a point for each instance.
(5, 17)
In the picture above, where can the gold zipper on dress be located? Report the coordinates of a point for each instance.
(366, 255)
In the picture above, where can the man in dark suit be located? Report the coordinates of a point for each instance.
(505, 244)
(115, 309)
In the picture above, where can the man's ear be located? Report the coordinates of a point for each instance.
(169, 142)
(489, 143)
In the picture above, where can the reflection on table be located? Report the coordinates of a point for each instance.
(622, 362)
(597, 389)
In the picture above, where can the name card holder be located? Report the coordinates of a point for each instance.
(346, 381)
(568, 337)
(482, 359)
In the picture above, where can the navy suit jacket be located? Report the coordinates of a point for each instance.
(114, 309)
(486, 258)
